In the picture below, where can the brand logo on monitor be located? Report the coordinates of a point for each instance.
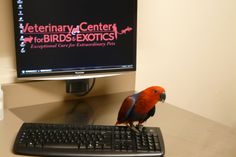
(68, 36)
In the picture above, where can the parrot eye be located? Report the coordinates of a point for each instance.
(155, 91)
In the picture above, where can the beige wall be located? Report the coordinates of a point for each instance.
(187, 46)
(7, 56)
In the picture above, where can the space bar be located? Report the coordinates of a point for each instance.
(61, 146)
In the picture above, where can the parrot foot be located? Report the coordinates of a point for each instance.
(139, 127)
(134, 129)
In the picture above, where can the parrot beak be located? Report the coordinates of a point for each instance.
(163, 97)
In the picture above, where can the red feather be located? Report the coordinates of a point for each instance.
(148, 98)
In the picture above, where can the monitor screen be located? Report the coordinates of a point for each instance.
(57, 37)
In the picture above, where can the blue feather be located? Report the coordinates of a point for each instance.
(131, 109)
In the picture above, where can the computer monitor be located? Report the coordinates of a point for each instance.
(74, 37)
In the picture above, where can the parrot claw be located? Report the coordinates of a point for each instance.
(134, 129)
(139, 127)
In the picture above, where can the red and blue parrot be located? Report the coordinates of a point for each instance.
(140, 106)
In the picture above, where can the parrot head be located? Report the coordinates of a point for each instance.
(157, 92)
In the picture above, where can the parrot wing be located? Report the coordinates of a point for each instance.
(126, 108)
(152, 112)
(149, 114)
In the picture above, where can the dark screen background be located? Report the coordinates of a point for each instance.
(73, 12)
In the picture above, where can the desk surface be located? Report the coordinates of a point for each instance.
(185, 134)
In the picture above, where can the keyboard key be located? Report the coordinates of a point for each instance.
(107, 146)
(61, 146)
(82, 146)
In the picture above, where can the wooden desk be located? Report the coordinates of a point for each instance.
(185, 134)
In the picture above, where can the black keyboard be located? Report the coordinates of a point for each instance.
(87, 141)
